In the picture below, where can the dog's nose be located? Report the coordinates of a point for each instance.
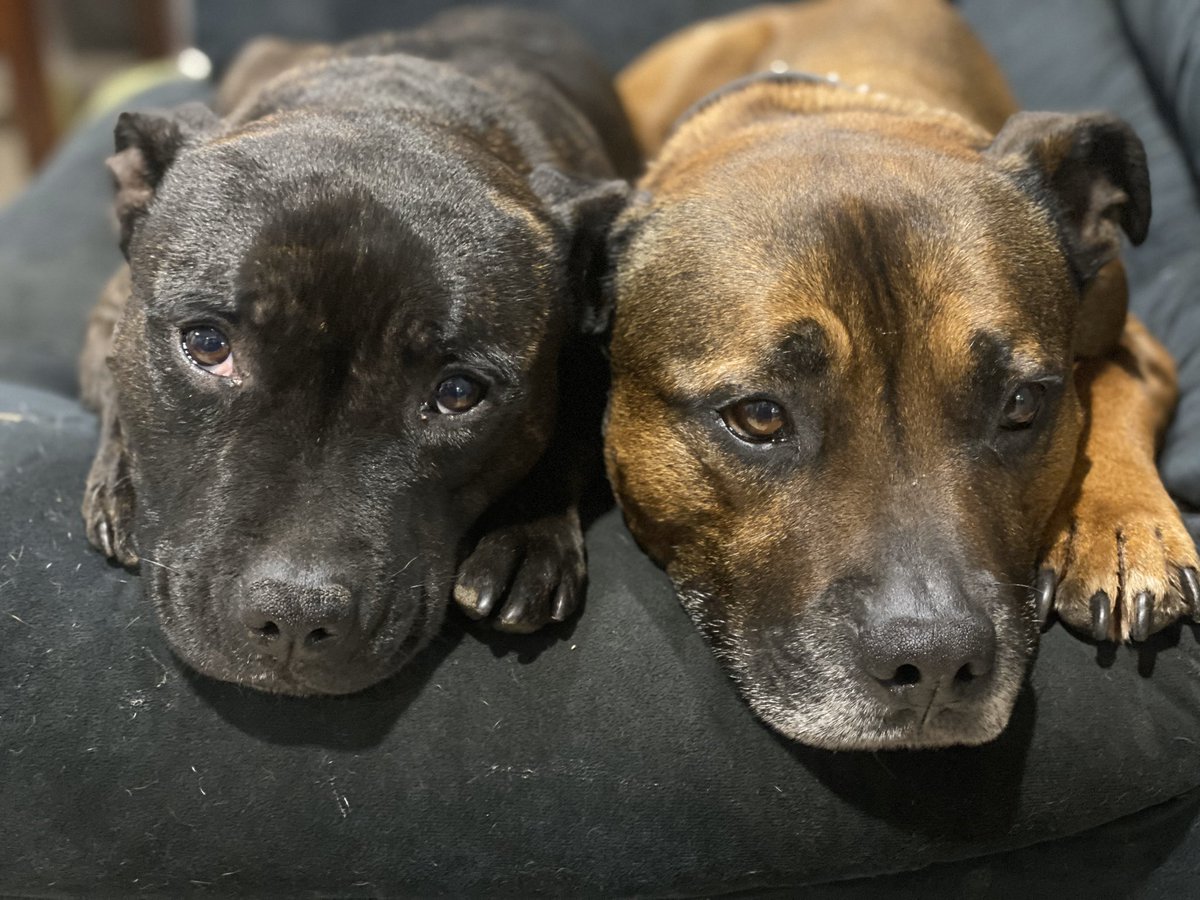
(283, 618)
(931, 659)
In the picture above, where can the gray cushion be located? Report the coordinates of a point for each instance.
(611, 756)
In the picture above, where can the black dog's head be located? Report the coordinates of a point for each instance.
(843, 408)
(340, 349)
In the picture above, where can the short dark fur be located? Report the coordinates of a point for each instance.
(391, 212)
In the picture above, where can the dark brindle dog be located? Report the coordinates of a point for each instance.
(354, 302)
(861, 321)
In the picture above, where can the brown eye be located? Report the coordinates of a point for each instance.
(209, 348)
(1023, 405)
(757, 421)
(457, 394)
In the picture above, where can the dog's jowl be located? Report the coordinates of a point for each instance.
(871, 369)
(334, 364)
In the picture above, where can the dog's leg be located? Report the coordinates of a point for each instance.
(1120, 564)
(108, 500)
(529, 566)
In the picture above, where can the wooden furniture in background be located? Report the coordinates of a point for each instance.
(22, 50)
(23, 43)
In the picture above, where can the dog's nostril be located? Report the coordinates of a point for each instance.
(316, 636)
(268, 630)
(907, 674)
(964, 675)
(286, 618)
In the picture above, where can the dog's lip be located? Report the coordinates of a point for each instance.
(900, 730)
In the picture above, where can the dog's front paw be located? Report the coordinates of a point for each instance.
(108, 505)
(529, 574)
(1121, 568)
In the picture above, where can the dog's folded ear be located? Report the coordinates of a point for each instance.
(1090, 170)
(584, 210)
(147, 143)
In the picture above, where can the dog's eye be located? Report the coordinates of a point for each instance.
(209, 348)
(1023, 405)
(457, 394)
(757, 420)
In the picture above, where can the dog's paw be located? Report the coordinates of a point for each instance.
(528, 574)
(108, 507)
(1121, 572)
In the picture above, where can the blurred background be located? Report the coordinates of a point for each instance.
(63, 62)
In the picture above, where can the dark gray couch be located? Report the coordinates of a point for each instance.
(608, 757)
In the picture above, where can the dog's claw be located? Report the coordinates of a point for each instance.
(1044, 594)
(1101, 615)
(515, 619)
(487, 600)
(1143, 616)
(564, 603)
(1190, 582)
(104, 535)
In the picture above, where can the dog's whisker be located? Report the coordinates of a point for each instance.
(400, 571)
(161, 565)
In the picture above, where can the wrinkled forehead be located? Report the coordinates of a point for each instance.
(765, 288)
(329, 254)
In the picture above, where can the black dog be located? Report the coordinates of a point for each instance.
(353, 303)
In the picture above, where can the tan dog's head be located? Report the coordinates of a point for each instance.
(843, 410)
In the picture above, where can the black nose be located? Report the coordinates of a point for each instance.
(284, 618)
(929, 659)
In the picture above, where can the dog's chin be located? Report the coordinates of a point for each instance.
(304, 683)
(289, 682)
(856, 725)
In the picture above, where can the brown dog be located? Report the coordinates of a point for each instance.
(872, 365)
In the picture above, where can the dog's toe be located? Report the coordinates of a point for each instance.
(108, 522)
(485, 575)
(528, 606)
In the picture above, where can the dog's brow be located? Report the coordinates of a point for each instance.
(425, 343)
(761, 357)
(1015, 356)
(486, 358)
(803, 350)
(194, 305)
